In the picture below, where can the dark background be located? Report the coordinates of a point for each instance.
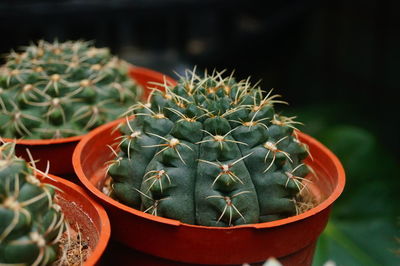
(336, 62)
(341, 53)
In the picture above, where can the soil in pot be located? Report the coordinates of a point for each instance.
(76, 244)
(74, 248)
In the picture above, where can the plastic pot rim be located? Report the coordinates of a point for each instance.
(34, 142)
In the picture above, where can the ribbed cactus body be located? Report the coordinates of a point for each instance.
(55, 90)
(210, 151)
(30, 222)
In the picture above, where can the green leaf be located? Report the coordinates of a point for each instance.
(362, 229)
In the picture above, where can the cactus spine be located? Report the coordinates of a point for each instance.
(31, 223)
(56, 90)
(210, 151)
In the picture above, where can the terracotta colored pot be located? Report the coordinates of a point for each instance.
(59, 151)
(91, 217)
(292, 240)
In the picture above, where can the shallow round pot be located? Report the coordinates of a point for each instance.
(292, 240)
(80, 209)
(59, 151)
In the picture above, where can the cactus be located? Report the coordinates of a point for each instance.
(210, 151)
(31, 223)
(57, 90)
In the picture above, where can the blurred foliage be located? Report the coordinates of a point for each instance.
(364, 225)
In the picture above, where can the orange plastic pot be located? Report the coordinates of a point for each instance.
(291, 240)
(59, 151)
(80, 209)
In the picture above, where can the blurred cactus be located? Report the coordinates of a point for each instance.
(210, 151)
(56, 90)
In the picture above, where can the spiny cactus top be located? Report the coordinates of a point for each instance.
(56, 90)
(210, 151)
(31, 223)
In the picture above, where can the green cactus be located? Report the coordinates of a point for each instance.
(210, 151)
(56, 90)
(31, 223)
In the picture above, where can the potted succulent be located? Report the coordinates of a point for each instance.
(51, 94)
(206, 172)
(45, 219)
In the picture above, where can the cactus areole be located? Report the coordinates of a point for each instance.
(210, 151)
(31, 223)
(58, 90)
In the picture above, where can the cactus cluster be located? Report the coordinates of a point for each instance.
(31, 223)
(56, 90)
(210, 151)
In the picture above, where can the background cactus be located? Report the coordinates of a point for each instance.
(31, 223)
(210, 151)
(55, 90)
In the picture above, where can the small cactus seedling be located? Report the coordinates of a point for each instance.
(57, 90)
(210, 151)
(31, 223)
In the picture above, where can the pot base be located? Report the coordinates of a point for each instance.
(119, 254)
